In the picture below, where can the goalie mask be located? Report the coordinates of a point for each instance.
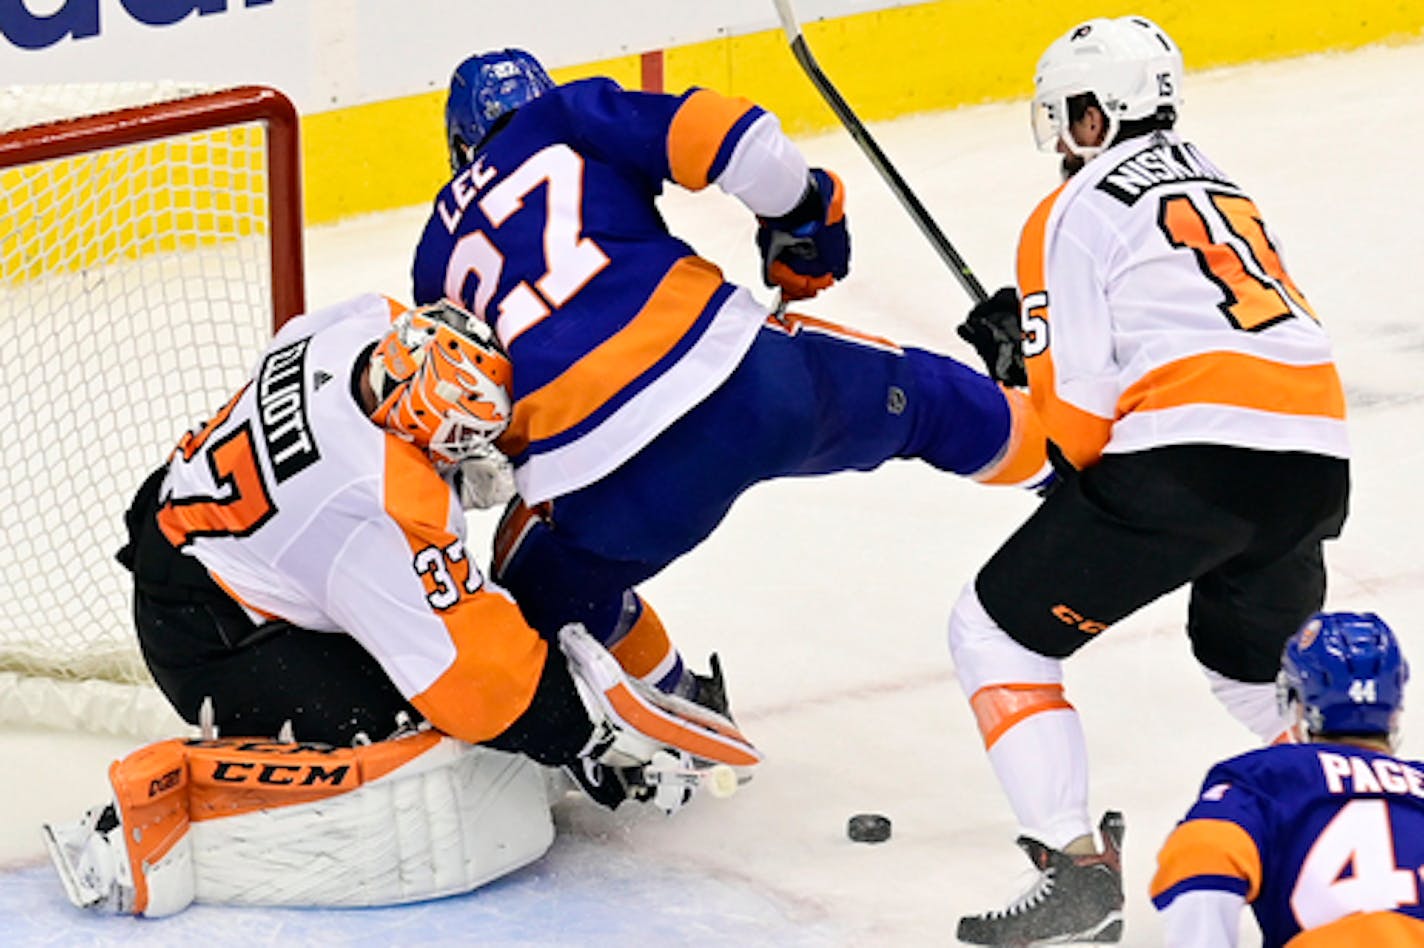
(442, 382)
(1129, 64)
(483, 89)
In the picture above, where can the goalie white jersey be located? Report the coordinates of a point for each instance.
(1208, 339)
(305, 510)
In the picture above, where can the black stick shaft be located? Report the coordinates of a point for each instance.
(882, 164)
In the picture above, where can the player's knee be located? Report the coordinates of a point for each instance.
(984, 653)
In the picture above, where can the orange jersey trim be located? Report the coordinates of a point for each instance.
(1026, 452)
(1208, 848)
(1244, 381)
(238, 599)
(1079, 434)
(793, 323)
(997, 708)
(498, 657)
(646, 645)
(1376, 929)
(697, 132)
(666, 318)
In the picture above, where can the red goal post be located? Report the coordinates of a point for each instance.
(150, 242)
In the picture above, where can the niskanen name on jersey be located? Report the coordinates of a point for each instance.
(1163, 164)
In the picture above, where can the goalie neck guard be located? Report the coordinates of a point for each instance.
(442, 382)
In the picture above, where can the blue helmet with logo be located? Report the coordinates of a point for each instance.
(484, 88)
(1346, 672)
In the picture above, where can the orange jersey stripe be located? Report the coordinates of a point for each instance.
(997, 708)
(697, 132)
(1376, 929)
(496, 670)
(1079, 434)
(645, 647)
(1232, 378)
(238, 599)
(1208, 848)
(792, 323)
(498, 657)
(660, 325)
(1026, 453)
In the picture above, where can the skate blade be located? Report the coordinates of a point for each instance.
(80, 894)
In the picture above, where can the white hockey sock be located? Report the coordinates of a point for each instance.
(1254, 705)
(1034, 737)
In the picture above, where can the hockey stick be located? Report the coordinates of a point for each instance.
(882, 164)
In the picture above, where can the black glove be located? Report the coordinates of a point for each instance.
(808, 248)
(993, 329)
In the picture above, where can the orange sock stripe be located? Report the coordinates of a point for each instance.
(999, 707)
(646, 646)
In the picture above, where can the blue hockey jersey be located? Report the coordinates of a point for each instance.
(1325, 839)
(615, 327)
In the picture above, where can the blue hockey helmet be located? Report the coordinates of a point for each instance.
(1346, 672)
(482, 89)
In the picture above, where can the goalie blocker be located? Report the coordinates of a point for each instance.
(243, 821)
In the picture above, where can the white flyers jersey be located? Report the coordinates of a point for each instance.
(1157, 310)
(303, 509)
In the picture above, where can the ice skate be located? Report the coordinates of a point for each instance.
(710, 691)
(94, 874)
(1074, 899)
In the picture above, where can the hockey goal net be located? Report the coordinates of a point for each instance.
(150, 241)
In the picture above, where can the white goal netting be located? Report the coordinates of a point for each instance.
(137, 281)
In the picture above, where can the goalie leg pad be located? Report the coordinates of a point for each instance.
(133, 855)
(635, 721)
(253, 822)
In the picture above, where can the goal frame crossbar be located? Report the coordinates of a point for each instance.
(204, 111)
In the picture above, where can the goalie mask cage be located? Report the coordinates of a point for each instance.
(151, 242)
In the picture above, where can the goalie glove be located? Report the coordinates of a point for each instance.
(808, 248)
(653, 747)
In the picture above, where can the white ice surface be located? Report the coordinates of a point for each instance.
(828, 598)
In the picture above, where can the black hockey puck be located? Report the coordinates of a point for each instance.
(868, 828)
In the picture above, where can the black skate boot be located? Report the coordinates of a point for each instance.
(710, 691)
(1075, 899)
